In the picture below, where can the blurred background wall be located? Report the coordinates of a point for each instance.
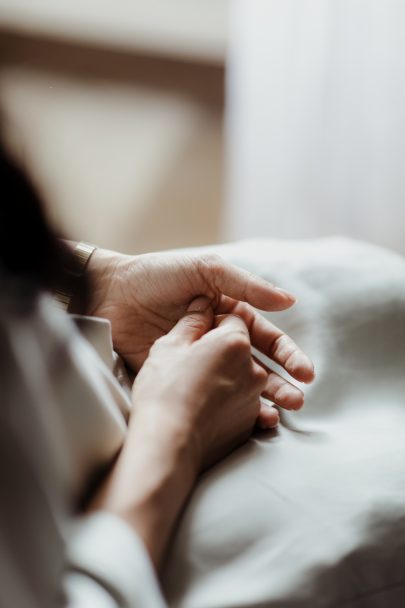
(118, 110)
(317, 120)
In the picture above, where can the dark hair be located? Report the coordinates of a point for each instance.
(29, 247)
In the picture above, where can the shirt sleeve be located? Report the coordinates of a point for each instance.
(108, 566)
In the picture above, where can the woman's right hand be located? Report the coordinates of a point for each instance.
(201, 384)
(196, 398)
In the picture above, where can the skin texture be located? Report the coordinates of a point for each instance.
(186, 325)
(144, 296)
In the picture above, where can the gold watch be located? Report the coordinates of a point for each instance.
(81, 256)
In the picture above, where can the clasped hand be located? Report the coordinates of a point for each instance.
(186, 324)
(145, 296)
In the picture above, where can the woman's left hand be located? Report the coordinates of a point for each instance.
(144, 296)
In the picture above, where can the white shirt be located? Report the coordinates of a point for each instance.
(63, 418)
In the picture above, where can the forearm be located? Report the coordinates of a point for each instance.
(149, 484)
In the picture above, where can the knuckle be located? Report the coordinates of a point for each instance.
(212, 258)
(156, 347)
(164, 341)
(194, 322)
(260, 376)
(237, 342)
(213, 262)
(157, 343)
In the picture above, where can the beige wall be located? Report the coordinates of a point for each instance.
(126, 147)
(179, 28)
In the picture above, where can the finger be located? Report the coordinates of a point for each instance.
(230, 322)
(195, 323)
(268, 417)
(279, 347)
(280, 391)
(271, 341)
(229, 327)
(242, 285)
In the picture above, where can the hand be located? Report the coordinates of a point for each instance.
(202, 382)
(144, 296)
(196, 398)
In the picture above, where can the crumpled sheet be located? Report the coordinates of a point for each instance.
(313, 514)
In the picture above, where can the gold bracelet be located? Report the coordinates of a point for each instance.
(81, 256)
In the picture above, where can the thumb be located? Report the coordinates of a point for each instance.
(197, 320)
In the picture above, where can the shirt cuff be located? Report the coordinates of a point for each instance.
(104, 548)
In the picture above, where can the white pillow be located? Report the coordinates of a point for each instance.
(313, 514)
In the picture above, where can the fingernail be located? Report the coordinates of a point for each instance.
(286, 294)
(200, 304)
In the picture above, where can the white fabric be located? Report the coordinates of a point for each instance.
(105, 549)
(62, 417)
(316, 122)
(313, 515)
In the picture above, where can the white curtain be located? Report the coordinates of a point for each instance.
(316, 119)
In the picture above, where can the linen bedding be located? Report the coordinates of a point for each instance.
(313, 514)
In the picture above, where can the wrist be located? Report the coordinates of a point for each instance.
(166, 453)
(150, 483)
(100, 271)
